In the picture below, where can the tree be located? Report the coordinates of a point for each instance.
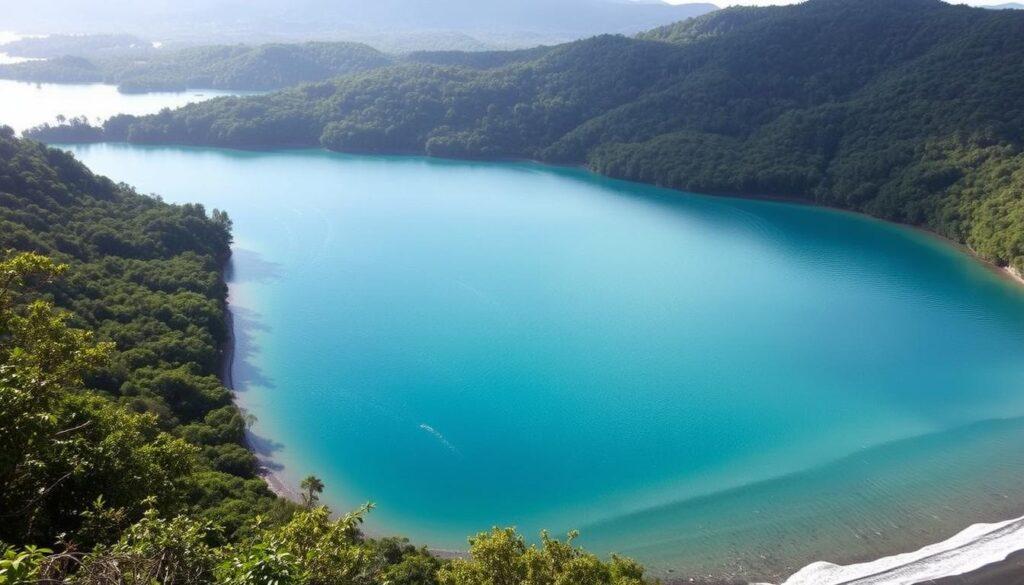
(140, 411)
(154, 550)
(855, 117)
(60, 445)
(312, 487)
(502, 557)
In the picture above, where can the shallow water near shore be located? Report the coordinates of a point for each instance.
(715, 386)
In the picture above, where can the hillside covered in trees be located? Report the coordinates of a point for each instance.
(122, 457)
(237, 67)
(143, 278)
(909, 110)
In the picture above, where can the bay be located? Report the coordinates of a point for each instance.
(715, 386)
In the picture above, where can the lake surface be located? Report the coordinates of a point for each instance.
(712, 385)
(24, 105)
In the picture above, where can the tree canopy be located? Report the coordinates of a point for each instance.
(236, 67)
(111, 327)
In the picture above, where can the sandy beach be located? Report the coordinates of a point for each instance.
(275, 482)
(1014, 274)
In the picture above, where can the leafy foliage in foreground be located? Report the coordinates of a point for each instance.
(114, 430)
(108, 374)
(909, 110)
(313, 549)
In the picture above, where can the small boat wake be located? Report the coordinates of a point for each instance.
(440, 438)
(971, 549)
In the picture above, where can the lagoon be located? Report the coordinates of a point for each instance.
(714, 386)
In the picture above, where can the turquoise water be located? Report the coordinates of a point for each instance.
(715, 386)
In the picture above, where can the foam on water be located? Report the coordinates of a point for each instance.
(433, 432)
(973, 548)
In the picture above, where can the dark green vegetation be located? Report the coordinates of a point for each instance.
(120, 450)
(909, 110)
(240, 67)
(143, 278)
(237, 67)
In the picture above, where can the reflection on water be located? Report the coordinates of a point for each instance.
(24, 105)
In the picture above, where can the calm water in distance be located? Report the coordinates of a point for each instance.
(24, 105)
(712, 385)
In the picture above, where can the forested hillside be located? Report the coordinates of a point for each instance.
(238, 67)
(151, 417)
(122, 457)
(906, 109)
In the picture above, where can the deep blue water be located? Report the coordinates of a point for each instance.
(712, 385)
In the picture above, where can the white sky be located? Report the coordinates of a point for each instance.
(724, 3)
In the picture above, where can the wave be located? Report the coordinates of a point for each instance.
(971, 549)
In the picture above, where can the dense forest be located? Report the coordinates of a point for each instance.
(238, 67)
(909, 110)
(122, 456)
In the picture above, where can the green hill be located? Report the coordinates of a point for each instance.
(905, 109)
(145, 277)
(237, 67)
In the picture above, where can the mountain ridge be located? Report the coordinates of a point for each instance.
(270, 20)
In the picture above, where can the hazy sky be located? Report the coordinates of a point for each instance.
(724, 3)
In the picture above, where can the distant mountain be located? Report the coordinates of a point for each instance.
(78, 45)
(1007, 6)
(507, 22)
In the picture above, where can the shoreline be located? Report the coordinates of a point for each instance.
(1008, 272)
(992, 572)
(989, 552)
(1014, 274)
(275, 482)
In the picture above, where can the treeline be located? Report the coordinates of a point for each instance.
(122, 456)
(233, 67)
(44, 47)
(236, 67)
(909, 110)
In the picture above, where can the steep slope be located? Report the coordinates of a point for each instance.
(153, 418)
